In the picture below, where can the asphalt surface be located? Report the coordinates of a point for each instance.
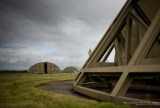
(63, 87)
(145, 93)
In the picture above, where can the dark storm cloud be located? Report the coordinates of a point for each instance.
(70, 27)
(19, 64)
(21, 17)
(34, 10)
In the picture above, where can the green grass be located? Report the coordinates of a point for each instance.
(22, 90)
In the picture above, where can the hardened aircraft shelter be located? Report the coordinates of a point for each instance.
(71, 69)
(44, 68)
(135, 36)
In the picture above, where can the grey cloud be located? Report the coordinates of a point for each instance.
(14, 47)
(34, 10)
(25, 19)
(88, 10)
(71, 27)
(21, 17)
(19, 64)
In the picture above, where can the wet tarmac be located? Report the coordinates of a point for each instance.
(151, 93)
(63, 87)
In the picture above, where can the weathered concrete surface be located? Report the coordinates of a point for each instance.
(66, 87)
(63, 87)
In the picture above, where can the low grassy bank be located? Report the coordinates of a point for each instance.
(23, 91)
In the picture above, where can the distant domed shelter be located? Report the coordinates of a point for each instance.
(44, 68)
(71, 69)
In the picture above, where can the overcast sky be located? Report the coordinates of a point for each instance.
(57, 31)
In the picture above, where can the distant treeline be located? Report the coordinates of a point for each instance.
(13, 71)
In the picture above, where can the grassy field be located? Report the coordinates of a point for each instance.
(22, 90)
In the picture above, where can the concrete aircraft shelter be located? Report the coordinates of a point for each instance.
(44, 67)
(71, 69)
